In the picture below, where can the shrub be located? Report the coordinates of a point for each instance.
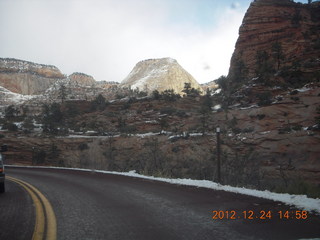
(83, 146)
(156, 95)
(264, 98)
(236, 130)
(39, 157)
(168, 110)
(294, 92)
(248, 130)
(10, 112)
(297, 127)
(295, 99)
(126, 105)
(223, 82)
(128, 129)
(299, 186)
(296, 18)
(284, 130)
(169, 95)
(181, 113)
(261, 116)
(99, 103)
(10, 127)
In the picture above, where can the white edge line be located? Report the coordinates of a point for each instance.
(299, 201)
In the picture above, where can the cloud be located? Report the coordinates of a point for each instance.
(235, 5)
(106, 38)
(206, 66)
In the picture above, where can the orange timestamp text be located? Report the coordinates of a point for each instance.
(259, 215)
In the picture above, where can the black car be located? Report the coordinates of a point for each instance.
(2, 174)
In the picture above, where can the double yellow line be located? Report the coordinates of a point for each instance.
(46, 225)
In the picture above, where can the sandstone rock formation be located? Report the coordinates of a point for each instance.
(285, 33)
(82, 79)
(159, 74)
(27, 78)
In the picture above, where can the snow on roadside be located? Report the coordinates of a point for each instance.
(299, 201)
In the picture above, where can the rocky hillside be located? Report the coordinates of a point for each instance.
(274, 146)
(159, 74)
(278, 41)
(26, 77)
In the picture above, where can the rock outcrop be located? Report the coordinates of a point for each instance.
(82, 79)
(212, 85)
(272, 91)
(281, 36)
(27, 78)
(159, 74)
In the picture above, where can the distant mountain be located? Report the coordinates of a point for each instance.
(159, 74)
(82, 79)
(27, 78)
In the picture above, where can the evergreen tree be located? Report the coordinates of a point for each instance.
(63, 92)
(187, 88)
(223, 83)
(10, 112)
(190, 91)
(52, 118)
(277, 53)
(28, 124)
(264, 68)
(156, 95)
(100, 103)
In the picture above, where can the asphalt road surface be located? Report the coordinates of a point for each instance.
(102, 206)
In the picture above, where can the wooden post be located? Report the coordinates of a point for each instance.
(218, 155)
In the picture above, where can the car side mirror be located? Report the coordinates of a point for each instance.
(4, 148)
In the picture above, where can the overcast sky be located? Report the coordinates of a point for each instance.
(106, 38)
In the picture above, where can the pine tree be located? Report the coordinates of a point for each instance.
(63, 92)
(277, 53)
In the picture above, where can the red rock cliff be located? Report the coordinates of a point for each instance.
(287, 33)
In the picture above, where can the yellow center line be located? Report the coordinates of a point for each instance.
(40, 202)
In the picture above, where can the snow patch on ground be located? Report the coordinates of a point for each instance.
(299, 201)
(5, 94)
(304, 89)
(143, 135)
(217, 91)
(252, 106)
(266, 132)
(217, 107)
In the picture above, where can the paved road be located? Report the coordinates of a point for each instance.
(101, 206)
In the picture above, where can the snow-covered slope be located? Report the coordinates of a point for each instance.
(7, 97)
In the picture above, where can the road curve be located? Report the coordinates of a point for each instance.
(45, 223)
(103, 206)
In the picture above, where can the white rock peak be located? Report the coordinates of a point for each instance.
(159, 74)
